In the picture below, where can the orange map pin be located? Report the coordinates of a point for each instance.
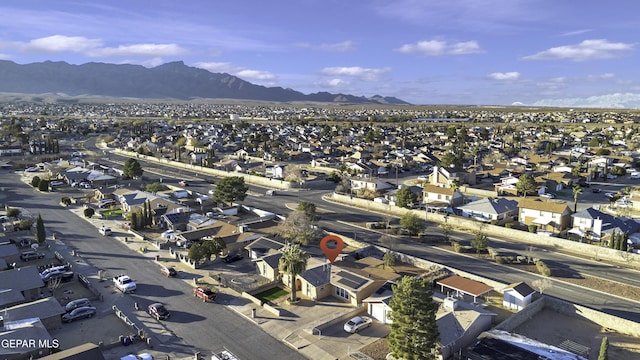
(331, 246)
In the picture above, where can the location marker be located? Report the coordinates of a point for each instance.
(331, 246)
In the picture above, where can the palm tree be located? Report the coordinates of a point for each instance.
(293, 262)
(577, 191)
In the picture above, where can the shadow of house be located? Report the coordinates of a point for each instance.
(19, 285)
(80, 352)
(9, 253)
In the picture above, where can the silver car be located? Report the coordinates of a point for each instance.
(79, 313)
(72, 305)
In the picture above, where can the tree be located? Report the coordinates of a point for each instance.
(155, 187)
(526, 184)
(388, 259)
(197, 253)
(412, 223)
(604, 349)
(577, 191)
(480, 242)
(35, 181)
(405, 197)
(293, 262)
(88, 212)
(41, 233)
(414, 333)
(132, 169)
(541, 284)
(13, 212)
(299, 229)
(309, 210)
(43, 185)
(446, 231)
(213, 247)
(230, 189)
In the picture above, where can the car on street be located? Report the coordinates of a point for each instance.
(31, 255)
(609, 195)
(169, 271)
(596, 190)
(105, 231)
(548, 195)
(204, 293)
(183, 183)
(158, 311)
(74, 304)
(357, 323)
(79, 313)
(232, 258)
(56, 183)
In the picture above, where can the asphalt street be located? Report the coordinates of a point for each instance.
(196, 326)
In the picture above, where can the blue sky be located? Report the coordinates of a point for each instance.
(477, 52)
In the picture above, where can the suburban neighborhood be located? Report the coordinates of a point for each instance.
(480, 215)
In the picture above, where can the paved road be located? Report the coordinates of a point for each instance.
(598, 300)
(197, 326)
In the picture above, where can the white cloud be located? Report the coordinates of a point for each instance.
(505, 76)
(138, 50)
(586, 50)
(616, 100)
(255, 74)
(439, 47)
(576, 32)
(337, 83)
(244, 73)
(334, 47)
(601, 76)
(61, 43)
(366, 74)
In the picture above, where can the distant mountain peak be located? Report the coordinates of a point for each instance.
(172, 80)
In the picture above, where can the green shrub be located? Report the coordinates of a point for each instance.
(89, 212)
(533, 228)
(35, 181)
(543, 269)
(508, 225)
(25, 224)
(13, 212)
(66, 201)
(456, 247)
(501, 259)
(494, 222)
(43, 185)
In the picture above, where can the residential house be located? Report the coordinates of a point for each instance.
(274, 171)
(367, 184)
(19, 285)
(262, 247)
(48, 310)
(25, 329)
(490, 209)
(442, 176)
(595, 225)
(9, 253)
(459, 323)
(436, 196)
(548, 216)
(517, 296)
(507, 186)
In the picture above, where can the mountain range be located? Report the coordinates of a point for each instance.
(173, 80)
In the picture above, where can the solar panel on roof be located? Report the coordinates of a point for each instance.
(351, 280)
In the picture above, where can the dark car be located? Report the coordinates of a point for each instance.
(232, 258)
(79, 313)
(158, 311)
(31, 255)
(72, 305)
(168, 271)
(596, 190)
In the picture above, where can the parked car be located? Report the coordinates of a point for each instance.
(79, 313)
(56, 183)
(596, 190)
(548, 195)
(74, 304)
(183, 183)
(204, 293)
(50, 272)
(105, 231)
(232, 258)
(31, 255)
(168, 271)
(169, 234)
(105, 203)
(357, 323)
(158, 311)
(184, 243)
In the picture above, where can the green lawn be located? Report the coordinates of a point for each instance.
(271, 294)
(111, 213)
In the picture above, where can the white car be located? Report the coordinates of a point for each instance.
(357, 323)
(105, 231)
(169, 234)
(548, 195)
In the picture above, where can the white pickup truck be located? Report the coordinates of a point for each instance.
(124, 283)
